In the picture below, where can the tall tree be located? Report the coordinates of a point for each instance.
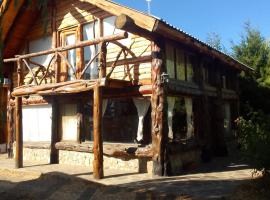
(254, 51)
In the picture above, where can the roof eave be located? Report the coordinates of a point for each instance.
(173, 33)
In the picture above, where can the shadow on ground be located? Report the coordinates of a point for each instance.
(61, 186)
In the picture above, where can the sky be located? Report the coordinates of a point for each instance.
(200, 17)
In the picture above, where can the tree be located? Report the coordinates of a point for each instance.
(253, 50)
(214, 40)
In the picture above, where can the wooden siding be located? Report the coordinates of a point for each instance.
(71, 15)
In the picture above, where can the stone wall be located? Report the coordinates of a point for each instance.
(86, 159)
(141, 165)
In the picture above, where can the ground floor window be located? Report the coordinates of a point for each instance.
(180, 118)
(37, 123)
(68, 116)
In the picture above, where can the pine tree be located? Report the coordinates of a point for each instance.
(253, 50)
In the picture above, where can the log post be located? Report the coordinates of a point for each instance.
(159, 111)
(54, 157)
(18, 123)
(102, 60)
(98, 143)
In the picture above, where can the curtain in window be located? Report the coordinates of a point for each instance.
(104, 106)
(142, 106)
(70, 40)
(170, 60)
(41, 44)
(37, 123)
(69, 122)
(171, 102)
(190, 129)
(189, 69)
(90, 31)
(180, 65)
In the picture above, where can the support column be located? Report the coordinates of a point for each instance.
(98, 142)
(159, 111)
(18, 122)
(54, 157)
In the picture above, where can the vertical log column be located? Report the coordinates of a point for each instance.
(159, 111)
(98, 143)
(54, 157)
(18, 123)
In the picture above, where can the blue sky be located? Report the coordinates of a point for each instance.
(199, 17)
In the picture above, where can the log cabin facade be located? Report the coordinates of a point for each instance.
(88, 77)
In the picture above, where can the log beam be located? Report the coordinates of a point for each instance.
(18, 122)
(98, 143)
(126, 23)
(159, 111)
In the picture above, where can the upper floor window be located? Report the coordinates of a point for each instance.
(179, 64)
(41, 44)
(90, 32)
(70, 39)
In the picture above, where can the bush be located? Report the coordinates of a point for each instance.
(254, 138)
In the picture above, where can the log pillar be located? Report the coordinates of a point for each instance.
(18, 122)
(54, 157)
(98, 143)
(102, 60)
(159, 111)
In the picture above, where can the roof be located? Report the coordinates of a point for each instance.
(150, 23)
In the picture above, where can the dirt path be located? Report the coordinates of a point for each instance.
(39, 181)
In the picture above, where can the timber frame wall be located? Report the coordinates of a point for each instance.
(148, 79)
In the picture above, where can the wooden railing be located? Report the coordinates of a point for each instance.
(57, 53)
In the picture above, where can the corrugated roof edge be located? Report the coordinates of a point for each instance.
(187, 34)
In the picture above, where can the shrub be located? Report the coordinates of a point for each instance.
(254, 138)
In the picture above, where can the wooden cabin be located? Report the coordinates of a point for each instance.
(87, 78)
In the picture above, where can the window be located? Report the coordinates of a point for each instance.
(41, 44)
(180, 118)
(37, 123)
(170, 64)
(68, 113)
(71, 55)
(180, 65)
(91, 31)
(227, 118)
(189, 68)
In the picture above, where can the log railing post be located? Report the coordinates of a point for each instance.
(18, 124)
(98, 143)
(159, 111)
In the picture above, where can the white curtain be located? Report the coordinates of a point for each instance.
(190, 129)
(37, 123)
(69, 122)
(104, 106)
(90, 31)
(171, 102)
(142, 106)
(70, 40)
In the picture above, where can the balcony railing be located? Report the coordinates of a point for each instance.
(58, 53)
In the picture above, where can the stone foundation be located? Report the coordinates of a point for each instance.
(141, 165)
(86, 159)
